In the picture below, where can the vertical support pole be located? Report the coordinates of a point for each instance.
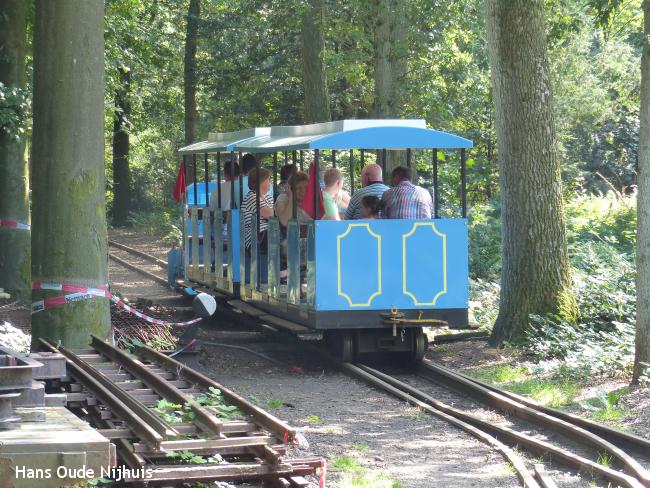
(463, 182)
(294, 157)
(206, 176)
(218, 180)
(316, 182)
(241, 180)
(434, 167)
(351, 171)
(286, 157)
(333, 158)
(258, 261)
(302, 161)
(408, 157)
(196, 201)
(384, 157)
(275, 173)
(232, 181)
(363, 158)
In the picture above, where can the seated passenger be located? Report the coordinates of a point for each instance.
(370, 207)
(249, 207)
(406, 200)
(284, 203)
(372, 184)
(285, 173)
(248, 163)
(225, 188)
(333, 186)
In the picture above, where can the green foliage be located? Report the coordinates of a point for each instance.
(172, 413)
(274, 404)
(163, 224)
(213, 400)
(14, 109)
(601, 243)
(606, 406)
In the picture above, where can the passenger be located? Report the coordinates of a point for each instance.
(225, 188)
(372, 184)
(284, 203)
(249, 162)
(333, 185)
(406, 200)
(285, 173)
(250, 205)
(370, 207)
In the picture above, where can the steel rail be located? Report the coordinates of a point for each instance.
(108, 397)
(508, 405)
(513, 437)
(524, 475)
(204, 418)
(143, 255)
(516, 438)
(133, 267)
(615, 436)
(274, 425)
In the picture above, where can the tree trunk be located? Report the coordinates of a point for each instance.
(391, 64)
(14, 185)
(642, 356)
(121, 173)
(535, 276)
(314, 78)
(69, 208)
(191, 39)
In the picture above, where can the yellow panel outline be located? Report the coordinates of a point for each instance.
(338, 264)
(444, 262)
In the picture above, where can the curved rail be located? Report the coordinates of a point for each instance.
(501, 436)
(497, 399)
(143, 255)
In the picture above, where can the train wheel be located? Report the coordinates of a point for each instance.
(419, 345)
(342, 345)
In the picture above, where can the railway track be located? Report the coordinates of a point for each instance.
(577, 443)
(173, 425)
(141, 260)
(584, 436)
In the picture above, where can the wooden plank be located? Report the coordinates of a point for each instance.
(246, 308)
(193, 444)
(285, 324)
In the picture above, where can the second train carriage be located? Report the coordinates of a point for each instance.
(369, 285)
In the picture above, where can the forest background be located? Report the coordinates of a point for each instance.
(249, 73)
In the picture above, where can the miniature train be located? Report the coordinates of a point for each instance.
(367, 285)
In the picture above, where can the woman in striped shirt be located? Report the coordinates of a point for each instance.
(249, 206)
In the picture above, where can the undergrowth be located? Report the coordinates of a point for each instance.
(165, 224)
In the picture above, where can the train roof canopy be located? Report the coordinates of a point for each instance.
(354, 134)
(224, 141)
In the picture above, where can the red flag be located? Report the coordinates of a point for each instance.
(179, 187)
(308, 201)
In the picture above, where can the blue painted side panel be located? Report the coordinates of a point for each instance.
(233, 236)
(200, 193)
(379, 264)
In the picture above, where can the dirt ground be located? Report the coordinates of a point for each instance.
(369, 438)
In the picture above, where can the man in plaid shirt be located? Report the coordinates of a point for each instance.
(406, 200)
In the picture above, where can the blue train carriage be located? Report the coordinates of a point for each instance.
(208, 258)
(370, 285)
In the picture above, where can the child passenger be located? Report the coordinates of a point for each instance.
(370, 207)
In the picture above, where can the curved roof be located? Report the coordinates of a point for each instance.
(342, 134)
(355, 134)
(224, 141)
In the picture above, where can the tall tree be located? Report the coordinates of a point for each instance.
(69, 209)
(191, 42)
(535, 276)
(14, 185)
(390, 63)
(317, 102)
(121, 173)
(642, 356)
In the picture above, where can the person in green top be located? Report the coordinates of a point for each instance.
(333, 186)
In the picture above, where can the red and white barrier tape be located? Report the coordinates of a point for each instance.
(84, 293)
(13, 224)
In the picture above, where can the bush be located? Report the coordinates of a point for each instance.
(601, 235)
(165, 224)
